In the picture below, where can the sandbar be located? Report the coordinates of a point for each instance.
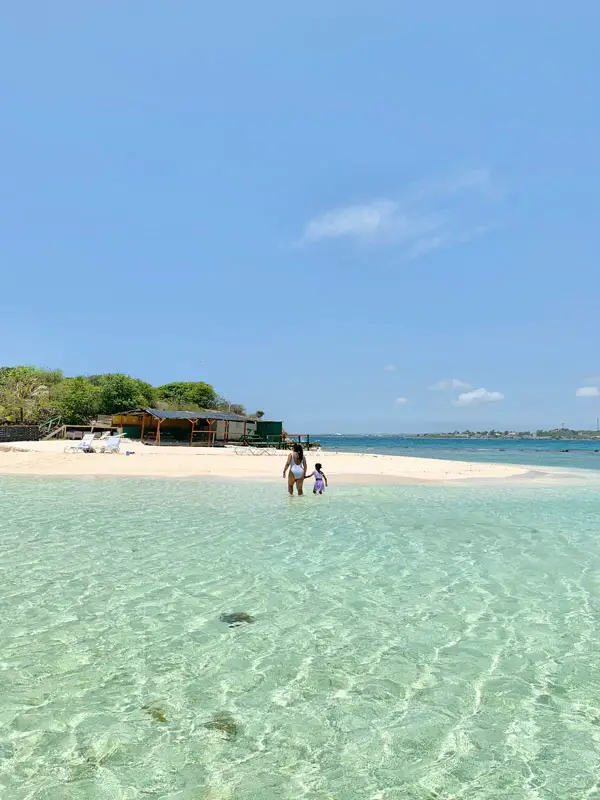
(48, 458)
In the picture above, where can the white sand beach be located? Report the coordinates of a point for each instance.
(49, 458)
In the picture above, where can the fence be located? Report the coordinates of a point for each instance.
(283, 441)
(19, 433)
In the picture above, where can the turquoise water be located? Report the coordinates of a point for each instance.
(409, 642)
(562, 453)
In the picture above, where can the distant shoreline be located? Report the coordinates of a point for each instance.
(462, 437)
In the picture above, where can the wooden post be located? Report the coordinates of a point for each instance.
(210, 432)
(193, 421)
(226, 434)
(244, 435)
(142, 431)
(157, 440)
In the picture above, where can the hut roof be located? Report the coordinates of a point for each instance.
(161, 414)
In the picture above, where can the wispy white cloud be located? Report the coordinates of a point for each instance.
(476, 396)
(401, 401)
(390, 368)
(428, 216)
(588, 391)
(449, 384)
(459, 181)
(360, 221)
(445, 239)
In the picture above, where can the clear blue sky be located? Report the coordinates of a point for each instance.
(284, 199)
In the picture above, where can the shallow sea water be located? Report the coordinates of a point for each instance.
(409, 642)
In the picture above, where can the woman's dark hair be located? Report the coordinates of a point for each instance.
(297, 448)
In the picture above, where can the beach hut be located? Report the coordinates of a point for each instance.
(270, 430)
(155, 426)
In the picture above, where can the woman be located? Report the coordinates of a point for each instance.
(296, 463)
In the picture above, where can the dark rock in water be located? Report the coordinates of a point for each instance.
(544, 700)
(224, 723)
(235, 619)
(156, 712)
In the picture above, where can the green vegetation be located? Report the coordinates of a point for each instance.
(189, 395)
(121, 392)
(468, 434)
(30, 396)
(567, 433)
(25, 393)
(77, 400)
(556, 433)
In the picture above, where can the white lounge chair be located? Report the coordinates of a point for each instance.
(107, 434)
(249, 450)
(113, 445)
(84, 446)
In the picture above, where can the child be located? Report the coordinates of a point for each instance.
(320, 479)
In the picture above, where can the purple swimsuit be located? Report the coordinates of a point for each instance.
(319, 482)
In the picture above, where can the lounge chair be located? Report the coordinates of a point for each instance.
(248, 449)
(84, 446)
(107, 434)
(113, 445)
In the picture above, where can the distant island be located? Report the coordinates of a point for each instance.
(556, 433)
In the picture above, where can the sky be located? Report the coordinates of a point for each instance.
(359, 217)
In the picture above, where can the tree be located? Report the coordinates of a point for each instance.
(48, 377)
(123, 393)
(30, 395)
(24, 393)
(77, 400)
(259, 414)
(188, 394)
(223, 404)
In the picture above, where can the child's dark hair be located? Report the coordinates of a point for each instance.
(319, 467)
